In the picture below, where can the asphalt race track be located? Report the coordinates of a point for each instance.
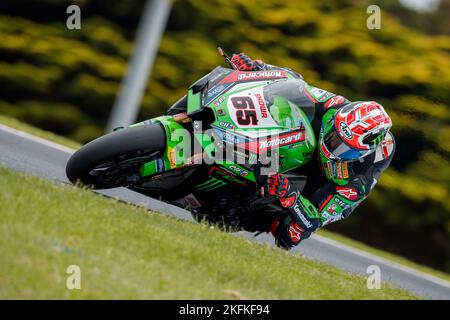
(35, 156)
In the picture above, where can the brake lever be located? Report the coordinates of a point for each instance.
(226, 58)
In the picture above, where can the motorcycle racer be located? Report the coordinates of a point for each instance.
(355, 147)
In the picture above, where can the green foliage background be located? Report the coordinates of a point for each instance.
(66, 81)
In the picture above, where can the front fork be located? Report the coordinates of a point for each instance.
(178, 145)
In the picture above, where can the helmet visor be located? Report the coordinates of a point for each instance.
(339, 149)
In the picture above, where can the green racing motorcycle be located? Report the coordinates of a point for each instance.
(212, 158)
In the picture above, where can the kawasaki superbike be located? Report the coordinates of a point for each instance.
(212, 156)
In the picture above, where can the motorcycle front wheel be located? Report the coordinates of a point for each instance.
(114, 159)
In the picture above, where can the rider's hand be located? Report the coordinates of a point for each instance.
(278, 185)
(243, 62)
(287, 233)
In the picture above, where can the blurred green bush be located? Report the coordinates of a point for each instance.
(66, 81)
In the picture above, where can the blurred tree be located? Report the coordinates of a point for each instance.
(431, 22)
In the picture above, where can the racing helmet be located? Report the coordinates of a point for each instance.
(354, 131)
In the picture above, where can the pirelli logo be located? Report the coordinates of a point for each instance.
(345, 171)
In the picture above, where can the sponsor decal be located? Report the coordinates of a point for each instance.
(229, 137)
(160, 166)
(325, 96)
(260, 75)
(348, 193)
(295, 232)
(226, 125)
(253, 76)
(336, 100)
(265, 144)
(341, 203)
(326, 218)
(215, 90)
(172, 159)
(242, 172)
(346, 130)
(316, 92)
(281, 141)
(219, 101)
(331, 209)
(385, 149)
(210, 184)
(224, 174)
(262, 105)
(387, 146)
(299, 213)
(344, 169)
(330, 168)
(319, 95)
(339, 170)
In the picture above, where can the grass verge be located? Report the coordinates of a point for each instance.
(128, 252)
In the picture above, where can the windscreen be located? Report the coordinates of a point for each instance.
(287, 96)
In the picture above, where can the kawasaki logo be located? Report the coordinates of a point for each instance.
(260, 74)
(281, 141)
(302, 217)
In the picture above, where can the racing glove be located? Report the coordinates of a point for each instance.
(302, 219)
(279, 186)
(287, 233)
(244, 63)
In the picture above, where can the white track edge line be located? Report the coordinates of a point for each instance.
(31, 137)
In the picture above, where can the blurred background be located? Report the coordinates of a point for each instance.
(66, 81)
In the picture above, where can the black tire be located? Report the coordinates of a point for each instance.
(145, 139)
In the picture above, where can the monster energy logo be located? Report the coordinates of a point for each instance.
(378, 139)
(211, 184)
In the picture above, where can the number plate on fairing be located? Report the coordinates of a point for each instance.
(249, 110)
